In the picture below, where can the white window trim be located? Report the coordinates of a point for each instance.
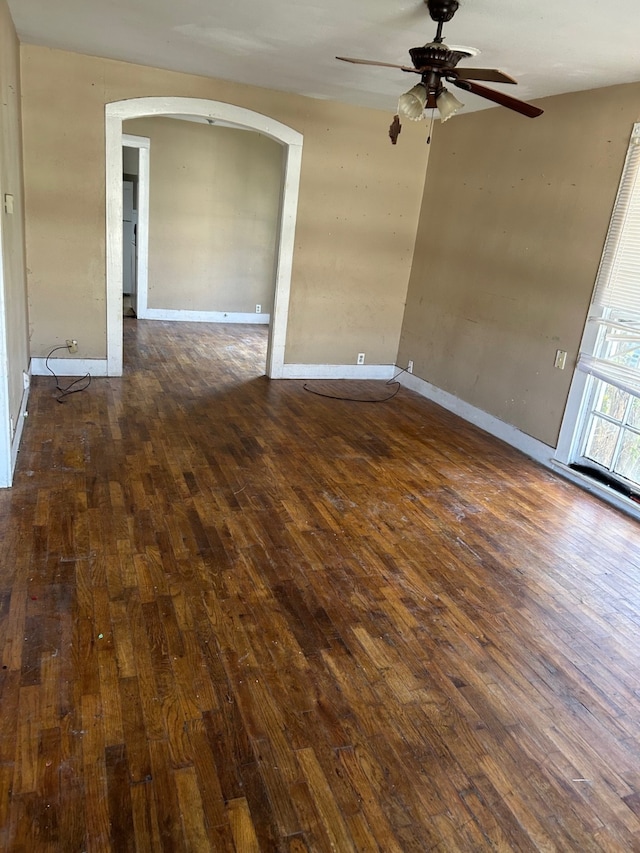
(576, 412)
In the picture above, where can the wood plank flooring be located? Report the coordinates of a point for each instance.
(235, 616)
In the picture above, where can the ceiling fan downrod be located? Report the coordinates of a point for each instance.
(441, 11)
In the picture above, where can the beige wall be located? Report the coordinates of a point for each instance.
(513, 222)
(213, 215)
(13, 258)
(512, 226)
(357, 216)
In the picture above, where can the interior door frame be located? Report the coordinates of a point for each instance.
(143, 144)
(6, 461)
(291, 142)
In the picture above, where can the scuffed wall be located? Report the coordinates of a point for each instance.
(514, 217)
(213, 217)
(357, 214)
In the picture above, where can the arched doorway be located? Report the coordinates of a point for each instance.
(291, 141)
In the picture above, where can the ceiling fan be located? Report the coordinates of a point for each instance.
(436, 63)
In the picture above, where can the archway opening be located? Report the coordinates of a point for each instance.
(291, 142)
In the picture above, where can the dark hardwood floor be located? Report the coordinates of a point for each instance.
(235, 616)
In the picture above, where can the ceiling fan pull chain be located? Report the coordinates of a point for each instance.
(430, 127)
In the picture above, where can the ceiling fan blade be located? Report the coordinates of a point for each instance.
(491, 75)
(373, 62)
(521, 107)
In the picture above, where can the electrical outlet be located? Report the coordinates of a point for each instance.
(560, 359)
(409, 366)
(26, 380)
(360, 358)
(72, 346)
(258, 309)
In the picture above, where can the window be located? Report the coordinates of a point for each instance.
(607, 437)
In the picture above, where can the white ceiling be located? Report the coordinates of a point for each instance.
(550, 46)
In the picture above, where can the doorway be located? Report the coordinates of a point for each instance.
(139, 250)
(291, 142)
(129, 223)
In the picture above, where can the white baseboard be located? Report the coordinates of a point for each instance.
(203, 316)
(542, 453)
(69, 366)
(537, 450)
(17, 435)
(337, 371)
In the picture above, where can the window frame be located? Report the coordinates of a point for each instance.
(611, 298)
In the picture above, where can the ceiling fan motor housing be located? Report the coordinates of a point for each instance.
(436, 55)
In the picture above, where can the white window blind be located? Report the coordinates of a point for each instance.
(614, 352)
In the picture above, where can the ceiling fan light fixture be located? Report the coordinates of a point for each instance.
(411, 105)
(448, 105)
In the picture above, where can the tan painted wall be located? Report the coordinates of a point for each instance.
(213, 215)
(13, 255)
(358, 208)
(513, 223)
